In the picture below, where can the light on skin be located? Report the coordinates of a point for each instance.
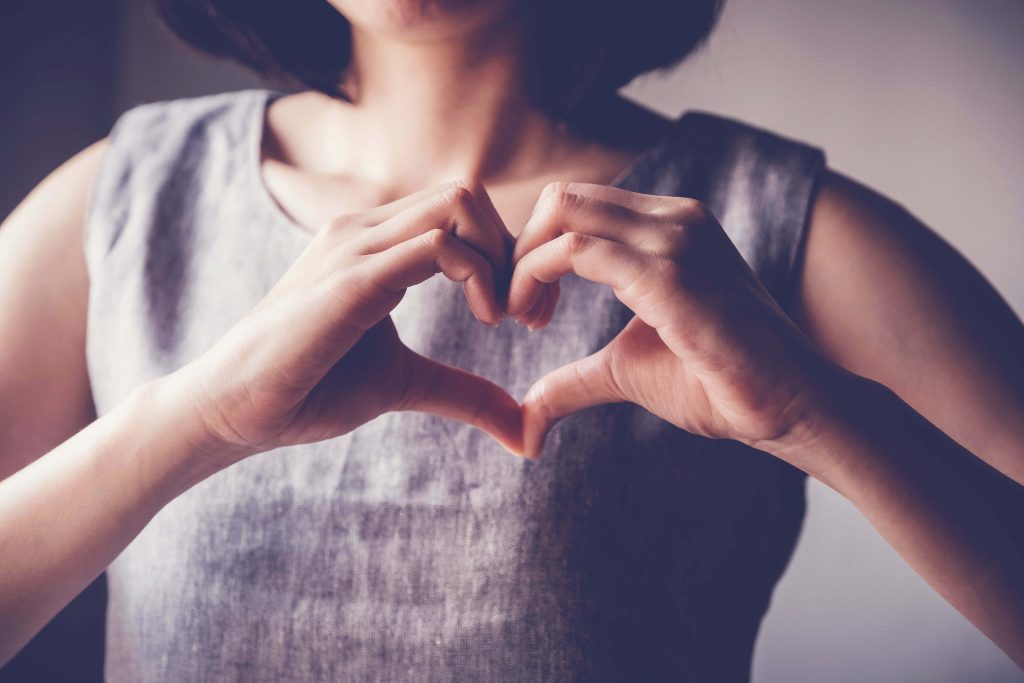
(438, 95)
(443, 84)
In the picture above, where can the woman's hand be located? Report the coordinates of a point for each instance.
(709, 349)
(319, 355)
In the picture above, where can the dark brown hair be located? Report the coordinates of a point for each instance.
(579, 49)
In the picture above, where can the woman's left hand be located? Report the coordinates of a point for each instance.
(709, 349)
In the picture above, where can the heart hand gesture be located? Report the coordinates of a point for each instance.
(709, 349)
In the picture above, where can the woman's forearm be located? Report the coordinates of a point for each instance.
(66, 516)
(958, 527)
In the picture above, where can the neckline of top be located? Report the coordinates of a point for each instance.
(254, 162)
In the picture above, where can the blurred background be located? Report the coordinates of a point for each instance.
(921, 99)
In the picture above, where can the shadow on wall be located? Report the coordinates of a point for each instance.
(57, 59)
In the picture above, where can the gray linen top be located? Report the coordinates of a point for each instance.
(415, 548)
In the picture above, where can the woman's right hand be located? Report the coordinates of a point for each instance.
(319, 355)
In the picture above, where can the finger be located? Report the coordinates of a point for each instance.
(538, 308)
(552, 292)
(561, 210)
(379, 214)
(600, 260)
(463, 209)
(361, 220)
(638, 201)
(569, 389)
(596, 210)
(417, 259)
(454, 393)
(488, 206)
(541, 313)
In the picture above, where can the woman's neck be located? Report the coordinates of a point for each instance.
(435, 109)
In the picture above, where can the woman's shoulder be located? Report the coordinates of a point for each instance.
(742, 170)
(44, 290)
(198, 107)
(169, 125)
(168, 158)
(183, 140)
(740, 149)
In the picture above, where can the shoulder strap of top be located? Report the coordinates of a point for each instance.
(162, 160)
(171, 171)
(758, 184)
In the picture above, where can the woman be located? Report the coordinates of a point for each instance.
(699, 313)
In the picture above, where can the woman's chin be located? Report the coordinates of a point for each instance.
(418, 20)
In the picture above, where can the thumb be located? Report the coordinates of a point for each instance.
(569, 389)
(451, 392)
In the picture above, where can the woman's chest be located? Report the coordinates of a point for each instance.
(414, 535)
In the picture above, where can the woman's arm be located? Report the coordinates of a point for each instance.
(44, 388)
(953, 518)
(886, 298)
(711, 352)
(67, 515)
(889, 300)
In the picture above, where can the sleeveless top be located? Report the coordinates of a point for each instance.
(414, 547)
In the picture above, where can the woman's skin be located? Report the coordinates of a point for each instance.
(895, 336)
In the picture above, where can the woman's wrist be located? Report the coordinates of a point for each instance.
(838, 434)
(170, 440)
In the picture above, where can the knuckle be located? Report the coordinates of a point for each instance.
(576, 243)
(436, 238)
(560, 198)
(692, 211)
(676, 239)
(676, 209)
(471, 185)
(461, 193)
(554, 188)
(689, 219)
(557, 187)
(344, 222)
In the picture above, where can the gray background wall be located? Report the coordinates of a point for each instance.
(922, 99)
